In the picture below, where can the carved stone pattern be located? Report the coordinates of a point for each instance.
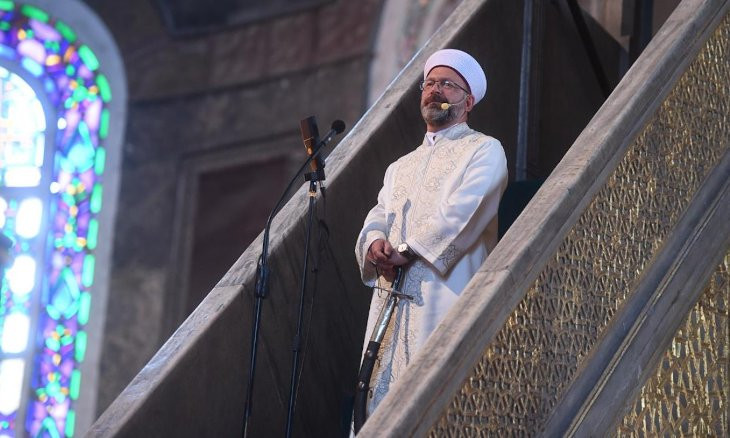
(534, 357)
(688, 393)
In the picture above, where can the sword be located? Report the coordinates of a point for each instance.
(371, 352)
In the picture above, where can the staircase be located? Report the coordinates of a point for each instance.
(602, 311)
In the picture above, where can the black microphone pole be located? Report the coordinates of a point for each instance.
(310, 135)
(262, 271)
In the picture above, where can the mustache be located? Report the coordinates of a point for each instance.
(434, 99)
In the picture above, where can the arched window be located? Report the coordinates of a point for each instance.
(57, 110)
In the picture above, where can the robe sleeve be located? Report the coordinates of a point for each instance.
(464, 215)
(374, 228)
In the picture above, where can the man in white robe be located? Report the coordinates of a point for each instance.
(436, 213)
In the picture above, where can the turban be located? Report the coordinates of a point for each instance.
(464, 64)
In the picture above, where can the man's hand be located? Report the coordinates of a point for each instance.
(379, 252)
(385, 258)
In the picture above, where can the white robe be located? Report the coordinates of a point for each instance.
(442, 200)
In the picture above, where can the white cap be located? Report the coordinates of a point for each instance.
(464, 64)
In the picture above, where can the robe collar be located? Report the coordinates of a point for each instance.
(452, 133)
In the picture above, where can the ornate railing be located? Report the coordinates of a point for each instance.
(687, 393)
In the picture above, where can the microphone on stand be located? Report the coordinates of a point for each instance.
(263, 270)
(310, 138)
(312, 143)
(337, 127)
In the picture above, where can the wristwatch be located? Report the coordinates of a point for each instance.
(406, 251)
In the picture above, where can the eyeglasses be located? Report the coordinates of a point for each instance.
(443, 84)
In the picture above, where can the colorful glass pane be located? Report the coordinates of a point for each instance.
(22, 132)
(19, 218)
(19, 283)
(54, 221)
(11, 378)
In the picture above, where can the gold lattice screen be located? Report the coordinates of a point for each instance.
(537, 353)
(688, 393)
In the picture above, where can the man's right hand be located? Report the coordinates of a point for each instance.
(379, 253)
(385, 258)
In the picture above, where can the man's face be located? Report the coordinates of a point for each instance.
(432, 98)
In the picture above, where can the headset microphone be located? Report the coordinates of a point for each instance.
(446, 105)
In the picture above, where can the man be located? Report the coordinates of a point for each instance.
(436, 214)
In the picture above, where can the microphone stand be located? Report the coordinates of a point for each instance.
(262, 270)
(313, 178)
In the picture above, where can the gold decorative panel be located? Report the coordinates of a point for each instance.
(537, 353)
(688, 393)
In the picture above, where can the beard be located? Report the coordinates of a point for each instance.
(435, 116)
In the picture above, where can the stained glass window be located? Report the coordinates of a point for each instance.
(51, 166)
